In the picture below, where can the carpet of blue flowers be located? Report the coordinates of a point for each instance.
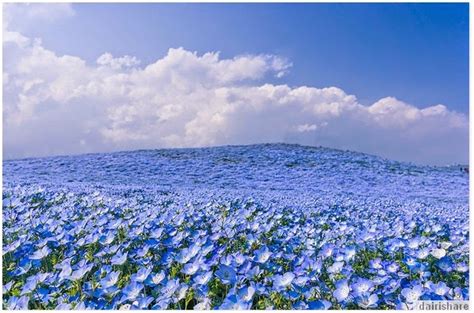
(247, 227)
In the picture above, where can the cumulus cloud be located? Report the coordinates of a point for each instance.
(21, 16)
(60, 105)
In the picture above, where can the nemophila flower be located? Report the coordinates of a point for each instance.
(112, 249)
(342, 290)
(319, 305)
(206, 249)
(326, 250)
(445, 244)
(111, 291)
(460, 293)
(131, 291)
(301, 280)
(336, 267)
(191, 268)
(170, 288)
(205, 304)
(29, 286)
(414, 243)
(141, 275)
(15, 303)
(123, 307)
(63, 306)
(156, 233)
(80, 272)
(246, 293)
(44, 295)
(158, 277)
(107, 239)
(143, 251)
(375, 263)
(412, 294)
(283, 281)
(11, 247)
(119, 258)
(181, 291)
(203, 279)
(367, 301)
(262, 255)
(142, 303)
(349, 253)
(438, 253)
(462, 267)
(233, 303)
(226, 274)
(393, 267)
(239, 258)
(40, 253)
(445, 264)
(362, 286)
(253, 272)
(66, 271)
(184, 256)
(411, 262)
(440, 288)
(110, 280)
(7, 287)
(391, 286)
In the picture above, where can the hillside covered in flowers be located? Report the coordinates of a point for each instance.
(239, 227)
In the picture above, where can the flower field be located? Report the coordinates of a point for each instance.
(243, 227)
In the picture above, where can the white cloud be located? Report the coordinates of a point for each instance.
(126, 61)
(60, 105)
(20, 16)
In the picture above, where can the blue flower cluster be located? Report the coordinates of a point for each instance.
(255, 227)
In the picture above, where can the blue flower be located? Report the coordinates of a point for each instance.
(445, 264)
(246, 294)
(262, 255)
(412, 294)
(66, 271)
(319, 305)
(30, 285)
(158, 278)
(141, 275)
(462, 267)
(119, 259)
(191, 268)
(170, 288)
(233, 303)
(63, 306)
(367, 301)
(283, 281)
(40, 253)
(142, 303)
(7, 287)
(226, 274)
(80, 272)
(203, 279)
(131, 291)
(342, 291)
(336, 267)
(362, 286)
(109, 280)
(301, 281)
(15, 303)
(440, 288)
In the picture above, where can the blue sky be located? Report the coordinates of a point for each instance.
(384, 79)
(418, 52)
